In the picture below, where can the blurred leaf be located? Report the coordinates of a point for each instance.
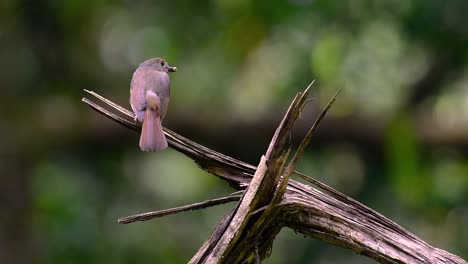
(404, 161)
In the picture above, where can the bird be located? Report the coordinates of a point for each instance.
(149, 99)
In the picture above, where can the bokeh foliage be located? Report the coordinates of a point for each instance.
(397, 139)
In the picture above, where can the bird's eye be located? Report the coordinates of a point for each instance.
(162, 63)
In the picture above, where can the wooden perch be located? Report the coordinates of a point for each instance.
(271, 201)
(201, 205)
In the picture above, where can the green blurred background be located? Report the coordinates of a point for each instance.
(396, 140)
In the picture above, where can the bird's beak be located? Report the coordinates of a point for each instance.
(171, 69)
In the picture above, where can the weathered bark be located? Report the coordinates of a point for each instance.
(271, 201)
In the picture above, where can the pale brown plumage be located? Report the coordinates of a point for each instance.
(149, 98)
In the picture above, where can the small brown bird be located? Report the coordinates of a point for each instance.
(149, 98)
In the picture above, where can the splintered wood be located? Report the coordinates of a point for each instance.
(268, 201)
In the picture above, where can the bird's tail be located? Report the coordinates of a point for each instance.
(152, 137)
